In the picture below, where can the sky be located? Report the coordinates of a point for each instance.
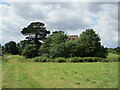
(71, 17)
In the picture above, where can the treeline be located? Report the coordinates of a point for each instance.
(39, 42)
(114, 50)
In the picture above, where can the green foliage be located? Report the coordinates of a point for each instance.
(11, 48)
(71, 59)
(59, 59)
(30, 51)
(74, 59)
(57, 50)
(45, 48)
(54, 45)
(22, 45)
(85, 59)
(92, 59)
(40, 59)
(3, 50)
(45, 59)
(117, 50)
(90, 43)
(70, 48)
(58, 37)
(57, 44)
(114, 50)
(112, 58)
(35, 31)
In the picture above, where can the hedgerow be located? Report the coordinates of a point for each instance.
(73, 59)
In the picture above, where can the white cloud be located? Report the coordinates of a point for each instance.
(107, 25)
(73, 18)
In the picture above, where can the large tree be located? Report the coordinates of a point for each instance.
(54, 44)
(91, 45)
(11, 47)
(35, 32)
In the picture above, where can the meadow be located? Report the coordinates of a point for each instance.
(17, 74)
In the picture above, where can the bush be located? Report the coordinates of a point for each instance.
(74, 59)
(40, 59)
(49, 60)
(112, 60)
(45, 55)
(59, 59)
(71, 59)
(92, 59)
(105, 60)
(30, 51)
(85, 59)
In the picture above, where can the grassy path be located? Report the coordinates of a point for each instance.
(59, 75)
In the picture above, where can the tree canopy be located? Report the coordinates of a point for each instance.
(21, 45)
(30, 51)
(11, 47)
(91, 45)
(87, 45)
(57, 44)
(35, 32)
(54, 44)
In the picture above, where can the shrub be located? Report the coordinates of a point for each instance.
(48, 59)
(92, 59)
(84, 59)
(112, 60)
(74, 59)
(105, 60)
(59, 59)
(45, 55)
(71, 59)
(30, 51)
(40, 59)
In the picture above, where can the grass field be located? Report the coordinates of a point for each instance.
(58, 75)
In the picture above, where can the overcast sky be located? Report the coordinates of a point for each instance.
(70, 17)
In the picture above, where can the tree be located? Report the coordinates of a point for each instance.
(3, 50)
(114, 50)
(58, 37)
(73, 49)
(90, 43)
(57, 49)
(11, 47)
(21, 45)
(30, 51)
(70, 48)
(54, 44)
(35, 32)
(45, 48)
(117, 50)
